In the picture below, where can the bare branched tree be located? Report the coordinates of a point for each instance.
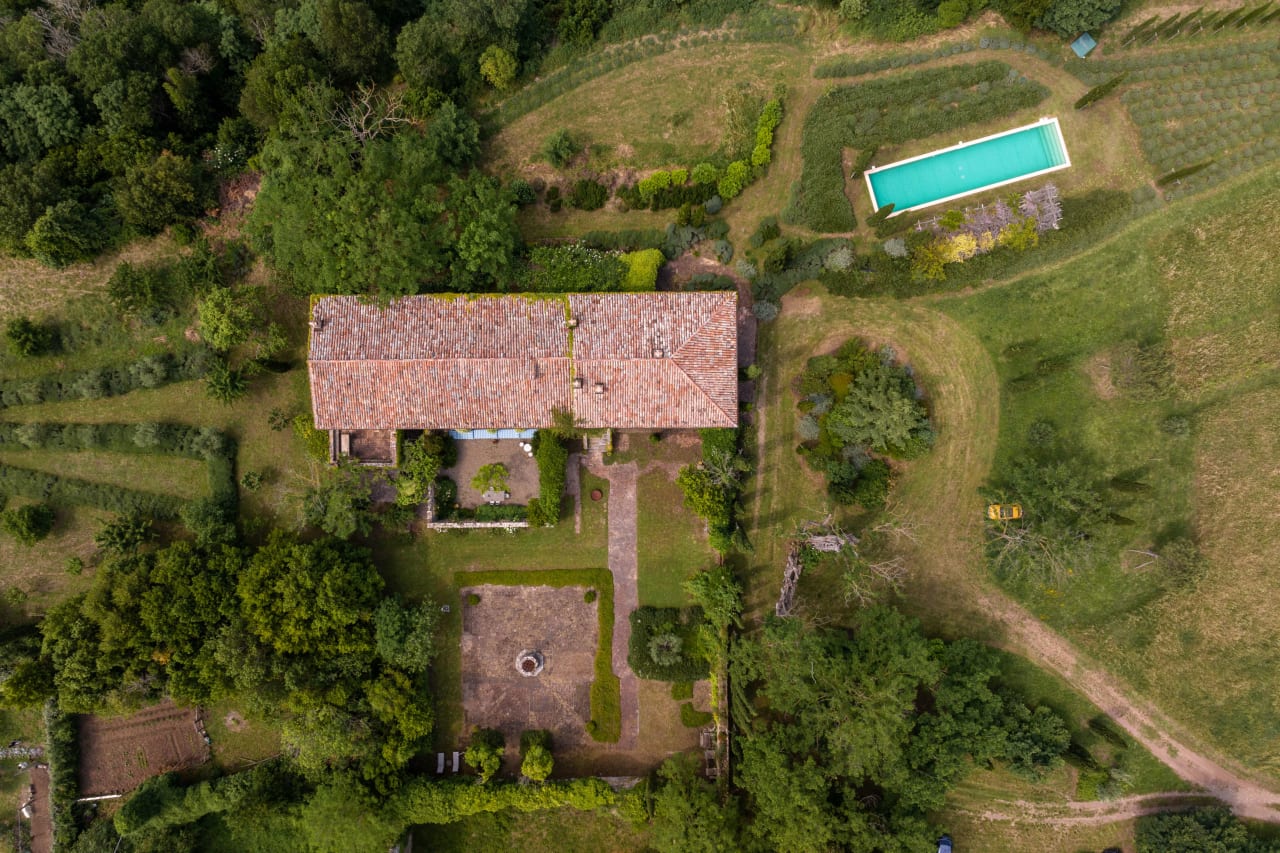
(196, 60)
(59, 40)
(370, 112)
(865, 581)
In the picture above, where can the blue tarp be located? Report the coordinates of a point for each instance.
(1083, 45)
(465, 434)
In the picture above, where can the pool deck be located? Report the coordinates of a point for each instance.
(1053, 120)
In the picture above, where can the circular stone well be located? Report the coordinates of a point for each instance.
(529, 663)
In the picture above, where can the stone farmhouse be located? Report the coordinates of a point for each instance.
(502, 366)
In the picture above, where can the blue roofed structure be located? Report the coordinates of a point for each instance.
(1083, 45)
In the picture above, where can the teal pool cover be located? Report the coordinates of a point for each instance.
(969, 167)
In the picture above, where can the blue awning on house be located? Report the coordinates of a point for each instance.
(467, 434)
(1083, 45)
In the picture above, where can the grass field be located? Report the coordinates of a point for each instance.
(646, 115)
(673, 541)
(1193, 279)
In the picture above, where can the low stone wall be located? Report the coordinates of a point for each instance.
(432, 524)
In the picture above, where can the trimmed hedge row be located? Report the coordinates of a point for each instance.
(649, 622)
(159, 804)
(1100, 91)
(606, 690)
(888, 111)
(150, 371)
(64, 788)
(630, 241)
(448, 800)
(65, 491)
(553, 462)
(212, 446)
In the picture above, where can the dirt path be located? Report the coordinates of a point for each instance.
(624, 564)
(1143, 721)
(1090, 813)
(949, 587)
(41, 820)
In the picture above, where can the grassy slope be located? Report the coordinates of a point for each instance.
(648, 107)
(1196, 279)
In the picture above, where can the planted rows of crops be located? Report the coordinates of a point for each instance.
(1216, 107)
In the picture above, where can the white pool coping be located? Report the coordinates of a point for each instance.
(1053, 120)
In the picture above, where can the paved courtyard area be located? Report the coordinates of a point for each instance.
(554, 622)
(522, 471)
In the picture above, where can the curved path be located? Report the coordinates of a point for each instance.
(965, 393)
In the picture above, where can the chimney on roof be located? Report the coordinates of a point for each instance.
(598, 388)
(317, 324)
(577, 383)
(659, 352)
(571, 323)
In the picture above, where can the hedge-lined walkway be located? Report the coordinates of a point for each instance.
(623, 564)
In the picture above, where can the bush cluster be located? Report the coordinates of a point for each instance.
(854, 404)
(149, 371)
(656, 623)
(642, 270)
(28, 524)
(553, 461)
(711, 488)
(586, 194)
(888, 111)
(28, 338)
(573, 268)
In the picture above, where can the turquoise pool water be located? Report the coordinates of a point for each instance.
(969, 168)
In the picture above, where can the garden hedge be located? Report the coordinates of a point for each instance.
(63, 757)
(606, 690)
(553, 462)
(149, 371)
(212, 446)
(648, 622)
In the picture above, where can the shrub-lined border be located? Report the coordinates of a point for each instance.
(606, 689)
(214, 447)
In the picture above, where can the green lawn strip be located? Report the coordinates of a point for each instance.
(183, 478)
(673, 542)
(68, 491)
(606, 691)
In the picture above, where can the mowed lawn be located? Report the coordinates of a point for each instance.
(1200, 281)
(672, 541)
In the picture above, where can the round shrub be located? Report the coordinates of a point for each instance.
(472, 599)
(28, 524)
(589, 596)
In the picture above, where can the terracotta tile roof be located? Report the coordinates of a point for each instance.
(665, 361)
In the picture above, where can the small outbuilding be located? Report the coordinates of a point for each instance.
(1084, 45)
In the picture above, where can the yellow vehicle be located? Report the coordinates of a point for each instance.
(1004, 512)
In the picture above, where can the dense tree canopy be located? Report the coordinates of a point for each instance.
(851, 738)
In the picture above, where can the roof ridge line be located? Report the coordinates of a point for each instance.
(698, 331)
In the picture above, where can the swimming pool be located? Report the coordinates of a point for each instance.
(969, 167)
